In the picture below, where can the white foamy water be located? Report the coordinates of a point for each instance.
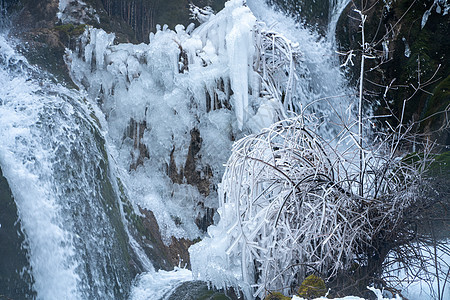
(53, 156)
(24, 158)
(158, 285)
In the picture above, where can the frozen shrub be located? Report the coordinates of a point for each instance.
(291, 204)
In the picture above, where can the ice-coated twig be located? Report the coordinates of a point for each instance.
(298, 199)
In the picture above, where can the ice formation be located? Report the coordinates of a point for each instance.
(230, 76)
(283, 199)
(252, 247)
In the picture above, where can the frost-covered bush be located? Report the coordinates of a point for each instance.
(291, 204)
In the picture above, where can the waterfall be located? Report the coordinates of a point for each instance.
(54, 159)
(336, 8)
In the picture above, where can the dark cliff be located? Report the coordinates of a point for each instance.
(413, 60)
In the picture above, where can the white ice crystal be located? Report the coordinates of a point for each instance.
(222, 79)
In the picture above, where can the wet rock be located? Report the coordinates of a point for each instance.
(145, 230)
(43, 47)
(195, 290)
(33, 22)
(163, 256)
(193, 176)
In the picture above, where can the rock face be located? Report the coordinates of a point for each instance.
(407, 54)
(13, 257)
(168, 256)
(33, 22)
(45, 36)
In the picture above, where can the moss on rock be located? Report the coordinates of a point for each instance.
(197, 290)
(312, 287)
(276, 296)
(69, 32)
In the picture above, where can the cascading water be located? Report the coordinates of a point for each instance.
(54, 159)
(27, 168)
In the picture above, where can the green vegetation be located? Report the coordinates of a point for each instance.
(71, 30)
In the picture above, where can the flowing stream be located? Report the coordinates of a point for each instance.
(53, 156)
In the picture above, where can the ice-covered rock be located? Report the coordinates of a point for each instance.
(214, 80)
